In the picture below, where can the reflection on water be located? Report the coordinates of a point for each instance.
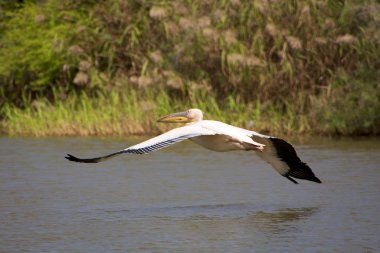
(281, 220)
(185, 199)
(248, 211)
(245, 226)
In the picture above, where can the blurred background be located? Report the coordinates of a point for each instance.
(113, 67)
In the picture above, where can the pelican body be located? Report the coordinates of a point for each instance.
(220, 137)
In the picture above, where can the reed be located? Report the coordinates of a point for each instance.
(289, 66)
(122, 114)
(127, 112)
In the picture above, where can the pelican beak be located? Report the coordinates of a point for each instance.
(179, 117)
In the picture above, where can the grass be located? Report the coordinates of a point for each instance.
(129, 113)
(290, 67)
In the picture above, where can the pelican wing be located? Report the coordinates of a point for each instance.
(283, 158)
(156, 143)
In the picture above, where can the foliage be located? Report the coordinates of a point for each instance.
(298, 66)
(34, 50)
(353, 106)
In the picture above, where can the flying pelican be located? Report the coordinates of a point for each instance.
(218, 136)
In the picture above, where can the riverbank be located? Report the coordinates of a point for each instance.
(113, 67)
(124, 114)
(130, 113)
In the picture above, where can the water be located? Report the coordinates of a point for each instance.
(186, 199)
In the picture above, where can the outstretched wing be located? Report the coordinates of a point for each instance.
(156, 143)
(283, 158)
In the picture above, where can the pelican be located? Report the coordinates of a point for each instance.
(221, 137)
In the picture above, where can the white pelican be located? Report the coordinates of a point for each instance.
(218, 136)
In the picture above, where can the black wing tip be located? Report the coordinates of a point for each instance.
(291, 179)
(313, 179)
(298, 169)
(72, 158)
(79, 160)
(303, 172)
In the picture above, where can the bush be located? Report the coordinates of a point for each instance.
(34, 50)
(315, 63)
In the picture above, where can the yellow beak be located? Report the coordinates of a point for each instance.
(179, 117)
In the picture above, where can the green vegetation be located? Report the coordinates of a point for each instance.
(126, 114)
(113, 67)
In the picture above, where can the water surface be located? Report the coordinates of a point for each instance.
(186, 199)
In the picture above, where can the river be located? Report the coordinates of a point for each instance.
(186, 199)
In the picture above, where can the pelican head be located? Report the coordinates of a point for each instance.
(191, 115)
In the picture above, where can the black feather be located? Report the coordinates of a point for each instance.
(298, 169)
(91, 160)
